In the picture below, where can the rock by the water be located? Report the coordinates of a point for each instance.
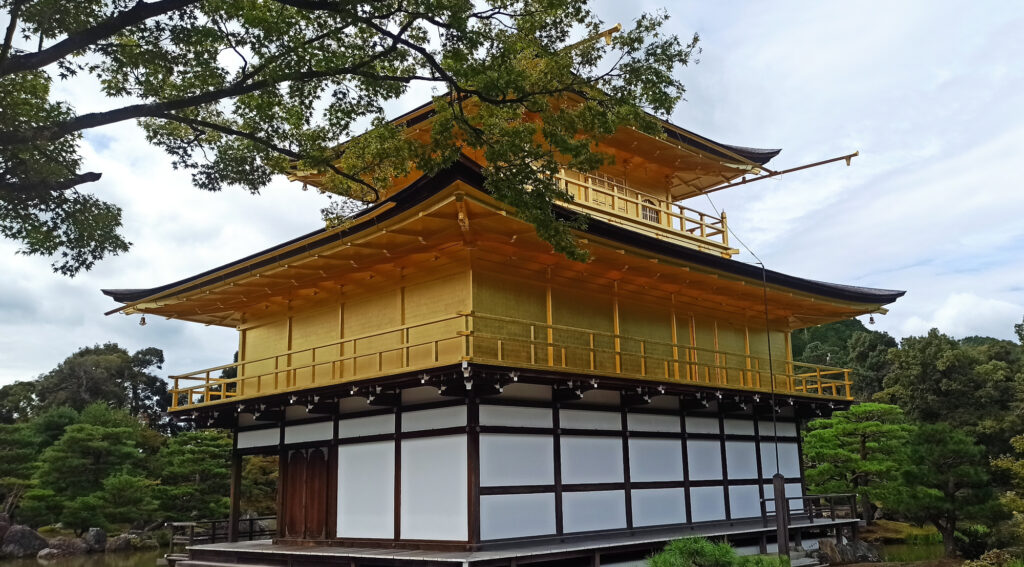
(119, 543)
(130, 542)
(258, 526)
(147, 543)
(5, 524)
(850, 552)
(96, 539)
(63, 547)
(22, 541)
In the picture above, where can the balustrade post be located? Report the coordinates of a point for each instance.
(405, 337)
(551, 348)
(533, 344)
(725, 230)
(593, 355)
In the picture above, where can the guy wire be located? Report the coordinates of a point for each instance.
(767, 330)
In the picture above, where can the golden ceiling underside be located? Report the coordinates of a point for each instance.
(461, 225)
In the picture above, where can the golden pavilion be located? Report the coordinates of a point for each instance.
(435, 379)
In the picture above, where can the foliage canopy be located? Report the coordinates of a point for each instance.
(947, 481)
(104, 373)
(239, 91)
(860, 450)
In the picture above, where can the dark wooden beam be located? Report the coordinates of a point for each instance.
(637, 397)
(384, 398)
(695, 402)
(235, 493)
(562, 393)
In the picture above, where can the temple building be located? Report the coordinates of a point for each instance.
(440, 385)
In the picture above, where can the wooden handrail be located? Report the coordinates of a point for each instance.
(683, 365)
(587, 192)
(207, 392)
(554, 327)
(192, 375)
(718, 370)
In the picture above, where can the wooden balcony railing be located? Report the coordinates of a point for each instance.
(608, 196)
(476, 337)
(812, 507)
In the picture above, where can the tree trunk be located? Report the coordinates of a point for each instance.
(865, 502)
(948, 532)
(866, 512)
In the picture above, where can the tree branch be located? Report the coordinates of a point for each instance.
(269, 144)
(54, 187)
(428, 58)
(80, 40)
(56, 131)
(12, 27)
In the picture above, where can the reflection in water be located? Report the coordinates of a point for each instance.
(143, 559)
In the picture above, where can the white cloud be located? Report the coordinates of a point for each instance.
(964, 314)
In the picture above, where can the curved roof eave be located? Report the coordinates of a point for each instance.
(469, 172)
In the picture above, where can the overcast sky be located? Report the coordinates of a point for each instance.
(930, 93)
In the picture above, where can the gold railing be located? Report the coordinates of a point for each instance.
(606, 195)
(505, 341)
(365, 356)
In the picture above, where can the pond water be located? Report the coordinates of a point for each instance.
(142, 559)
(906, 552)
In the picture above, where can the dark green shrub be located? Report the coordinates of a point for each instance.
(923, 539)
(699, 552)
(162, 537)
(694, 552)
(972, 541)
(762, 561)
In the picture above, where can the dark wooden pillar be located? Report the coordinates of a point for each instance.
(473, 461)
(282, 477)
(236, 496)
(781, 513)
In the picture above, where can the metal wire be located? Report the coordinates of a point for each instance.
(767, 330)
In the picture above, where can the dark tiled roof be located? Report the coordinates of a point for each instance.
(759, 156)
(756, 155)
(469, 172)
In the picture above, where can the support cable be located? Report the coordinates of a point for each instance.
(767, 330)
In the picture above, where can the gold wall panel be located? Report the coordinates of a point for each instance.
(317, 326)
(510, 297)
(262, 341)
(650, 327)
(582, 310)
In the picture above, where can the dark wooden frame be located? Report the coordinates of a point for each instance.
(473, 429)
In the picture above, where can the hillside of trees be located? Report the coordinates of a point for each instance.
(938, 437)
(87, 445)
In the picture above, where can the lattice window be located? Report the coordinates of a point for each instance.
(649, 212)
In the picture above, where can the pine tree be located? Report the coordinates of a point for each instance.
(860, 450)
(947, 482)
(194, 476)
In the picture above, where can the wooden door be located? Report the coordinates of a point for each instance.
(305, 499)
(294, 495)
